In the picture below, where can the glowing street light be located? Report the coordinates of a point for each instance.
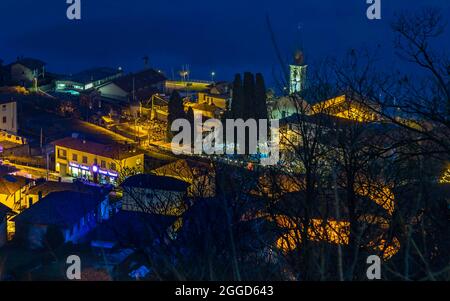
(213, 74)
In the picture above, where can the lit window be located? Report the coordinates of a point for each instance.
(62, 153)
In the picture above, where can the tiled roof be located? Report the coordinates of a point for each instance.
(49, 187)
(60, 208)
(140, 80)
(30, 63)
(113, 151)
(10, 184)
(129, 228)
(149, 181)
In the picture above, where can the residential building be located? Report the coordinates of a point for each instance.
(220, 101)
(349, 107)
(41, 190)
(12, 190)
(187, 86)
(8, 113)
(4, 214)
(204, 109)
(26, 71)
(100, 163)
(87, 80)
(154, 194)
(130, 229)
(67, 214)
(134, 87)
(200, 176)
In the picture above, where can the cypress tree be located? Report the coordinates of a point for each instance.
(190, 117)
(176, 111)
(261, 100)
(249, 96)
(237, 101)
(260, 97)
(249, 105)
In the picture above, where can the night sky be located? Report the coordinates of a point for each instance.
(225, 36)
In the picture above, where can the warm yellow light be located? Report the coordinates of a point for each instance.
(356, 115)
(322, 106)
(331, 231)
(445, 178)
(380, 194)
(389, 249)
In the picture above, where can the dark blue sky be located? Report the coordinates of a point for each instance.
(226, 36)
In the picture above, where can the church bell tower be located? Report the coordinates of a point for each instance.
(297, 74)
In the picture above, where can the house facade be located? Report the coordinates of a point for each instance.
(4, 214)
(199, 175)
(12, 190)
(8, 114)
(154, 194)
(99, 163)
(87, 80)
(26, 71)
(68, 215)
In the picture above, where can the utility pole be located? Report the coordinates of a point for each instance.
(133, 95)
(41, 139)
(47, 163)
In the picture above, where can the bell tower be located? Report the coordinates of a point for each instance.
(297, 73)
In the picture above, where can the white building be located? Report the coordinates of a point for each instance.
(25, 71)
(8, 114)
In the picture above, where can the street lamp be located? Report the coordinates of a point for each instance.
(212, 76)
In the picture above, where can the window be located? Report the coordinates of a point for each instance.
(4, 119)
(85, 160)
(62, 154)
(103, 164)
(74, 157)
(95, 161)
(113, 166)
(3, 108)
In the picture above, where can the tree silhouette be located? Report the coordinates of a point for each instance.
(237, 102)
(176, 111)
